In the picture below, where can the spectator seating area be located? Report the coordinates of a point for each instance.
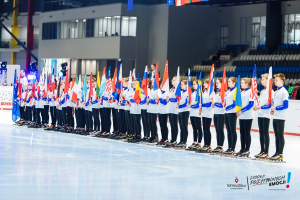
(289, 48)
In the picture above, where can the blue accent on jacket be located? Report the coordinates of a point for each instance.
(163, 101)
(206, 105)
(218, 105)
(174, 100)
(284, 106)
(230, 107)
(265, 107)
(152, 101)
(248, 107)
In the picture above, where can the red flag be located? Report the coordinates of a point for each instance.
(33, 89)
(114, 81)
(223, 86)
(91, 92)
(38, 92)
(145, 82)
(156, 79)
(20, 88)
(66, 90)
(26, 94)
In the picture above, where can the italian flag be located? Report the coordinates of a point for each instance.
(75, 90)
(180, 2)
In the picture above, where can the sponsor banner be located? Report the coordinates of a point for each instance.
(6, 93)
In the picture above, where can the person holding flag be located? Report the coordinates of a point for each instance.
(114, 104)
(95, 106)
(195, 115)
(144, 106)
(88, 106)
(183, 115)
(161, 99)
(263, 114)
(107, 104)
(230, 116)
(207, 111)
(38, 106)
(135, 109)
(152, 111)
(279, 112)
(219, 114)
(52, 103)
(173, 111)
(245, 118)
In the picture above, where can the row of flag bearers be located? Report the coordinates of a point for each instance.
(135, 103)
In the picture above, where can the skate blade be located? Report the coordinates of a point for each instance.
(216, 154)
(243, 158)
(260, 159)
(150, 144)
(276, 161)
(179, 149)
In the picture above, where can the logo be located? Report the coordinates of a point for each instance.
(236, 180)
(288, 180)
(236, 185)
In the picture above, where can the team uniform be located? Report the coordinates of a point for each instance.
(230, 121)
(281, 105)
(245, 119)
(145, 116)
(195, 119)
(152, 113)
(163, 116)
(183, 115)
(135, 112)
(219, 117)
(264, 116)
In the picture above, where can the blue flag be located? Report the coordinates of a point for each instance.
(170, 2)
(84, 89)
(130, 5)
(16, 108)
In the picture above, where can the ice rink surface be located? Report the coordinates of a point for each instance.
(36, 164)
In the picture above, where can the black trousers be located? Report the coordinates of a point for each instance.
(128, 122)
(136, 119)
(263, 125)
(115, 119)
(96, 119)
(53, 115)
(59, 117)
(102, 116)
(230, 121)
(183, 124)
(245, 129)
(37, 113)
(22, 112)
(64, 116)
(152, 122)
(70, 117)
(219, 121)
(197, 128)
(33, 113)
(107, 119)
(206, 130)
(88, 120)
(163, 120)
(28, 113)
(278, 126)
(78, 123)
(174, 126)
(145, 121)
(45, 114)
(122, 121)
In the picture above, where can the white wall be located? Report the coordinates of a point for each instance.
(231, 16)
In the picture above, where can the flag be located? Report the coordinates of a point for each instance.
(98, 85)
(26, 94)
(130, 82)
(165, 83)
(91, 92)
(119, 80)
(189, 85)
(145, 82)
(211, 80)
(237, 97)
(130, 5)
(199, 90)
(15, 108)
(33, 88)
(170, 2)
(177, 86)
(138, 91)
(253, 93)
(75, 90)
(49, 83)
(52, 82)
(270, 86)
(133, 74)
(103, 82)
(66, 90)
(113, 86)
(180, 2)
(45, 87)
(84, 89)
(223, 86)
(20, 88)
(156, 79)
(58, 87)
(108, 82)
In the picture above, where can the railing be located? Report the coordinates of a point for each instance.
(7, 44)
